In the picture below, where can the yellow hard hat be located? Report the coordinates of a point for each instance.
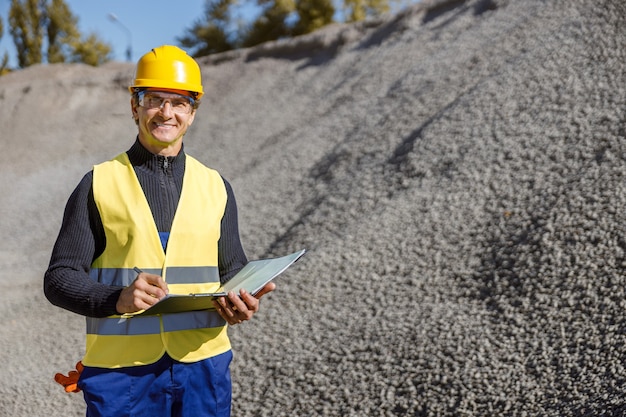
(168, 67)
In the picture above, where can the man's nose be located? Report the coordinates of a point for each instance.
(166, 107)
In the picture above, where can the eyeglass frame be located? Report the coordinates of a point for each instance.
(140, 93)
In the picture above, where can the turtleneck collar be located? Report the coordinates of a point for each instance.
(141, 158)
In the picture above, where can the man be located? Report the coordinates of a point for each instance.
(156, 210)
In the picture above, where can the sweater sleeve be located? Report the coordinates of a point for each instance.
(81, 239)
(231, 256)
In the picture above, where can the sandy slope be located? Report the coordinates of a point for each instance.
(456, 172)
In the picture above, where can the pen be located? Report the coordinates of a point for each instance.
(137, 270)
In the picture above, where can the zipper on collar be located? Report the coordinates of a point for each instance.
(164, 163)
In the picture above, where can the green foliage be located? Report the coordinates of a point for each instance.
(90, 50)
(358, 10)
(313, 14)
(62, 32)
(26, 21)
(31, 20)
(272, 24)
(218, 31)
(4, 64)
(210, 35)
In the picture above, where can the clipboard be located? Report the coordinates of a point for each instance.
(252, 277)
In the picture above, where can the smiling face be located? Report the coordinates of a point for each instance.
(161, 128)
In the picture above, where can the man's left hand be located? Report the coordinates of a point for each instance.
(237, 308)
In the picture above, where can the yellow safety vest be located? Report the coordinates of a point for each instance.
(189, 266)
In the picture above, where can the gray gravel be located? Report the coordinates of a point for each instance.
(456, 173)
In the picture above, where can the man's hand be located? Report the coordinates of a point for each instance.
(236, 309)
(145, 291)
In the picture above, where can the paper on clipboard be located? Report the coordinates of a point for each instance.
(252, 277)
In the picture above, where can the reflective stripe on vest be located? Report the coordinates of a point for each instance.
(175, 275)
(120, 326)
(189, 266)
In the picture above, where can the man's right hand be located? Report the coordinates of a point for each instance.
(145, 291)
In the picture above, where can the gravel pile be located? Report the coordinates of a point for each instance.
(457, 175)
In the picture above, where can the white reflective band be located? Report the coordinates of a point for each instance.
(192, 274)
(122, 326)
(192, 320)
(123, 277)
(189, 320)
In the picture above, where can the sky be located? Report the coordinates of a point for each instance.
(144, 24)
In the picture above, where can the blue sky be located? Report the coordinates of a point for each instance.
(145, 23)
(150, 23)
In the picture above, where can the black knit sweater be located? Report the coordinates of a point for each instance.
(81, 239)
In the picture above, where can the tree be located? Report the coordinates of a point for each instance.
(90, 51)
(313, 15)
(219, 32)
(272, 24)
(4, 64)
(62, 32)
(361, 9)
(30, 20)
(26, 21)
(211, 35)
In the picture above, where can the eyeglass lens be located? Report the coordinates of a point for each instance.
(178, 103)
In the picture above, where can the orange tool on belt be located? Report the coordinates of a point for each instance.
(70, 382)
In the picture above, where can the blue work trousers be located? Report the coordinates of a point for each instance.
(167, 388)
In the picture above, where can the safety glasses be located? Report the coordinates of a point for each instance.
(156, 100)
